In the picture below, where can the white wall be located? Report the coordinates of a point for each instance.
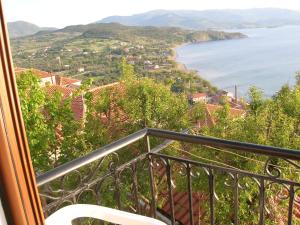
(50, 80)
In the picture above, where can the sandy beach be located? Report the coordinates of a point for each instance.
(179, 66)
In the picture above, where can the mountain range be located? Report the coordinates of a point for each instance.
(187, 19)
(22, 28)
(211, 19)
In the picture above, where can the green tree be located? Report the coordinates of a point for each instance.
(33, 99)
(54, 136)
(127, 71)
(65, 141)
(198, 112)
(149, 104)
(297, 78)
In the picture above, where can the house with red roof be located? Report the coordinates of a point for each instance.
(45, 77)
(210, 114)
(77, 104)
(198, 97)
(53, 83)
(67, 81)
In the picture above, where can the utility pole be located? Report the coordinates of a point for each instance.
(59, 61)
(235, 94)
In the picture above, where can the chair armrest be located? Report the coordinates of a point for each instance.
(66, 215)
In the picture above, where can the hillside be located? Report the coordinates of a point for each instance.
(131, 33)
(22, 28)
(95, 51)
(211, 19)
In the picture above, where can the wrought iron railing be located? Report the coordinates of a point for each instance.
(185, 179)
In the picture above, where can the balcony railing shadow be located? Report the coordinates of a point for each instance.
(175, 184)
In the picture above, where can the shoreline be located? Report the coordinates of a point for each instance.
(179, 66)
(183, 67)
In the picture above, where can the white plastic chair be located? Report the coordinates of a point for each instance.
(66, 215)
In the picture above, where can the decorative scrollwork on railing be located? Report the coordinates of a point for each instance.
(85, 185)
(281, 191)
(297, 195)
(271, 169)
(147, 182)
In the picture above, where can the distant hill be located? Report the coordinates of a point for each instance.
(22, 28)
(211, 19)
(129, 33)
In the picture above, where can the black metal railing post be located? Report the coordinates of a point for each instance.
(152, 181)
(170, 190)
(190, 191)
(135, 187)
(211, 185)
(236, 198)
(262, 201)
(291, 204)
(117, 189)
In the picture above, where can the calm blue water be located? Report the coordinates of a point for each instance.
(267, 59)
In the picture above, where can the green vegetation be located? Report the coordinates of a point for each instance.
(99, 48)
(150, 98)
(273, 122)
(54, 136)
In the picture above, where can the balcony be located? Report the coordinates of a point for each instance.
(169, 181)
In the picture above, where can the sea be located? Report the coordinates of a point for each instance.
(268, 59)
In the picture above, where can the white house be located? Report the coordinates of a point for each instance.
(198, 97)
(80, 69)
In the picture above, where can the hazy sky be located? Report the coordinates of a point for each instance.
(60, 13)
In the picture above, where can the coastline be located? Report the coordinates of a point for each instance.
(179, 66)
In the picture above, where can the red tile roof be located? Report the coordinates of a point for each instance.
(65, 80)
(60, 80)
(181, 200)
(19, 70)
(210, 114)
(182, 209)
(297, 208)
(41, 74)
(77, 103)
(98, 90)
(78, 107)
(72, 86)
(234, 113)
(198, 95)
(67, 92)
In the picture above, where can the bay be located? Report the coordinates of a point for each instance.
(267, 59)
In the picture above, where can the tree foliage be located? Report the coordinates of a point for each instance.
(56, 137)
(274, 122)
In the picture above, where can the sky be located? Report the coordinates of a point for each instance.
(60, 13)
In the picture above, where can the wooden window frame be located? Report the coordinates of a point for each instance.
(21, 201)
